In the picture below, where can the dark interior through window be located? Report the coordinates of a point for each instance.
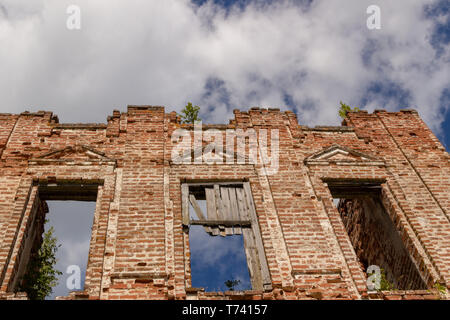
(374, 236)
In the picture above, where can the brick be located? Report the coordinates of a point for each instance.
(313, 249)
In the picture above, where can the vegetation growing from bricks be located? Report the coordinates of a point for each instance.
(41, 276)
(346, 108)
(441, 288)
(385, 284)
(190, 113)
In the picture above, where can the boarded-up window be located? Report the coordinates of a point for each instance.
(229, 211)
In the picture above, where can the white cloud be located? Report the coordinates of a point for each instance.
(71, 252)
(74, 252)
(164, 52)
(209, 250)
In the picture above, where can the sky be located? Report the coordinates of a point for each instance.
(72, 223)
(216, 259)
(304, 55)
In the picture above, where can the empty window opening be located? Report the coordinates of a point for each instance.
(225, 241)
(216, 260)
(72, 224)
(218, 263)
(69, 210)
(374, 237)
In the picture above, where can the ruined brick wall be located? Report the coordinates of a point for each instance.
(139, 248)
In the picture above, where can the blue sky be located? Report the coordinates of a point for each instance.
(304, 55)
(217, 259)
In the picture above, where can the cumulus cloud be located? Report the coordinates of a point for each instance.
(210, 250)
(299, 55)
(217, 259)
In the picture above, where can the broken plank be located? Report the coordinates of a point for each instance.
(196, 207)
(198, 211)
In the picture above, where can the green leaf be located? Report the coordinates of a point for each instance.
(346, 108)
(190, 114)
(41, 275)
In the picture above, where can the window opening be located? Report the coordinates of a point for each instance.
(226, 210)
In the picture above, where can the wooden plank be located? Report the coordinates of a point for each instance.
(222, 230)
(198, 211)
(226, 213)
(242, 204)
(265, 275)
(252, 259)
(219, 207)
(226, 223)
(211, 204)
(211, 184)
(218, 202)
(196, 207)
(185, 204)
(211, 208)
(234, 208)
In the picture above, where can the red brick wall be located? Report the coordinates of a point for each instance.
(138, 248)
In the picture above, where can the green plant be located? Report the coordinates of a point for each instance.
(346, 108)
(441, 288)
(190, 113)
(385, 284)
(41, 275)
(231, 284)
